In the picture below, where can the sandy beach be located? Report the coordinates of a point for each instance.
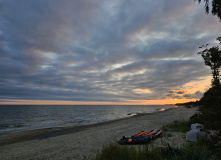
(77, 142)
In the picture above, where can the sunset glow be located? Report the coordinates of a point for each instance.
(130, 102)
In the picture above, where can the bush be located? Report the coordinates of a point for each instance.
(203, 150)
(177, 126)
(211, 108)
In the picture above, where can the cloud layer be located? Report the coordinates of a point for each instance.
(102, 50)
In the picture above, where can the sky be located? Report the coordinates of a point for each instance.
(104, 52)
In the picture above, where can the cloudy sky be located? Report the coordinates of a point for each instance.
(104, 52)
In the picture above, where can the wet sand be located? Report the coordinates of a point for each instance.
(77, 142)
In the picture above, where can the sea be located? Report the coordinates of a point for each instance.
(17, 118)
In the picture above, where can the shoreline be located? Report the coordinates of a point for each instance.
(44, 133)
(76, 142)
(11, 128)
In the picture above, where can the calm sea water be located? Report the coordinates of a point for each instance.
(16, 118)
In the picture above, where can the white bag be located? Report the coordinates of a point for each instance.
(195, 134)
(197, 126)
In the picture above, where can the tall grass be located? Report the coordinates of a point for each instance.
(203, 150)
(196, 151)
(177, 126)
(113, 151)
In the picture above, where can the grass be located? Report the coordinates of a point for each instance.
(113, 151)
(202, 151)
(198, 151)
(177, 126)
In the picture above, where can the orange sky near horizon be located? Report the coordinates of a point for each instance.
(188, 88)
(132, 102)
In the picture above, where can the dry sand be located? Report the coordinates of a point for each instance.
(77, 142)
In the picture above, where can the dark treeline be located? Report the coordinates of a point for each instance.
(210, 103)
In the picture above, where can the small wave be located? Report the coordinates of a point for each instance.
(5, 126)
(132, 114)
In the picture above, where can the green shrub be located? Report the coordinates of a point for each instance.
(177, 126)
(211, 108)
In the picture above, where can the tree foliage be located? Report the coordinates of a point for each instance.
(211, 108)
(211, 100)
(216, 7)
(212, 58)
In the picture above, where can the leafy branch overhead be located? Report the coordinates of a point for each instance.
(216, 7)
(212, 58)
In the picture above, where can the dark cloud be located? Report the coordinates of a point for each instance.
(181, 92)
(101, 50)
(196, 95)
(175, 94)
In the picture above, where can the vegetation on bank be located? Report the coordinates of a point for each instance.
(210, 103)
(113, 151)
(177, 126)
(199, 151)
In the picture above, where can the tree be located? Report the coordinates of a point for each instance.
(216, 7)
(210, 107)
(211, 101)
(212, 58)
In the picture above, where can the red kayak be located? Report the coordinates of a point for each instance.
(141, 137)
(143, 133)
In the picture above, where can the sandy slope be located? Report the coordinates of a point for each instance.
(74, 143)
